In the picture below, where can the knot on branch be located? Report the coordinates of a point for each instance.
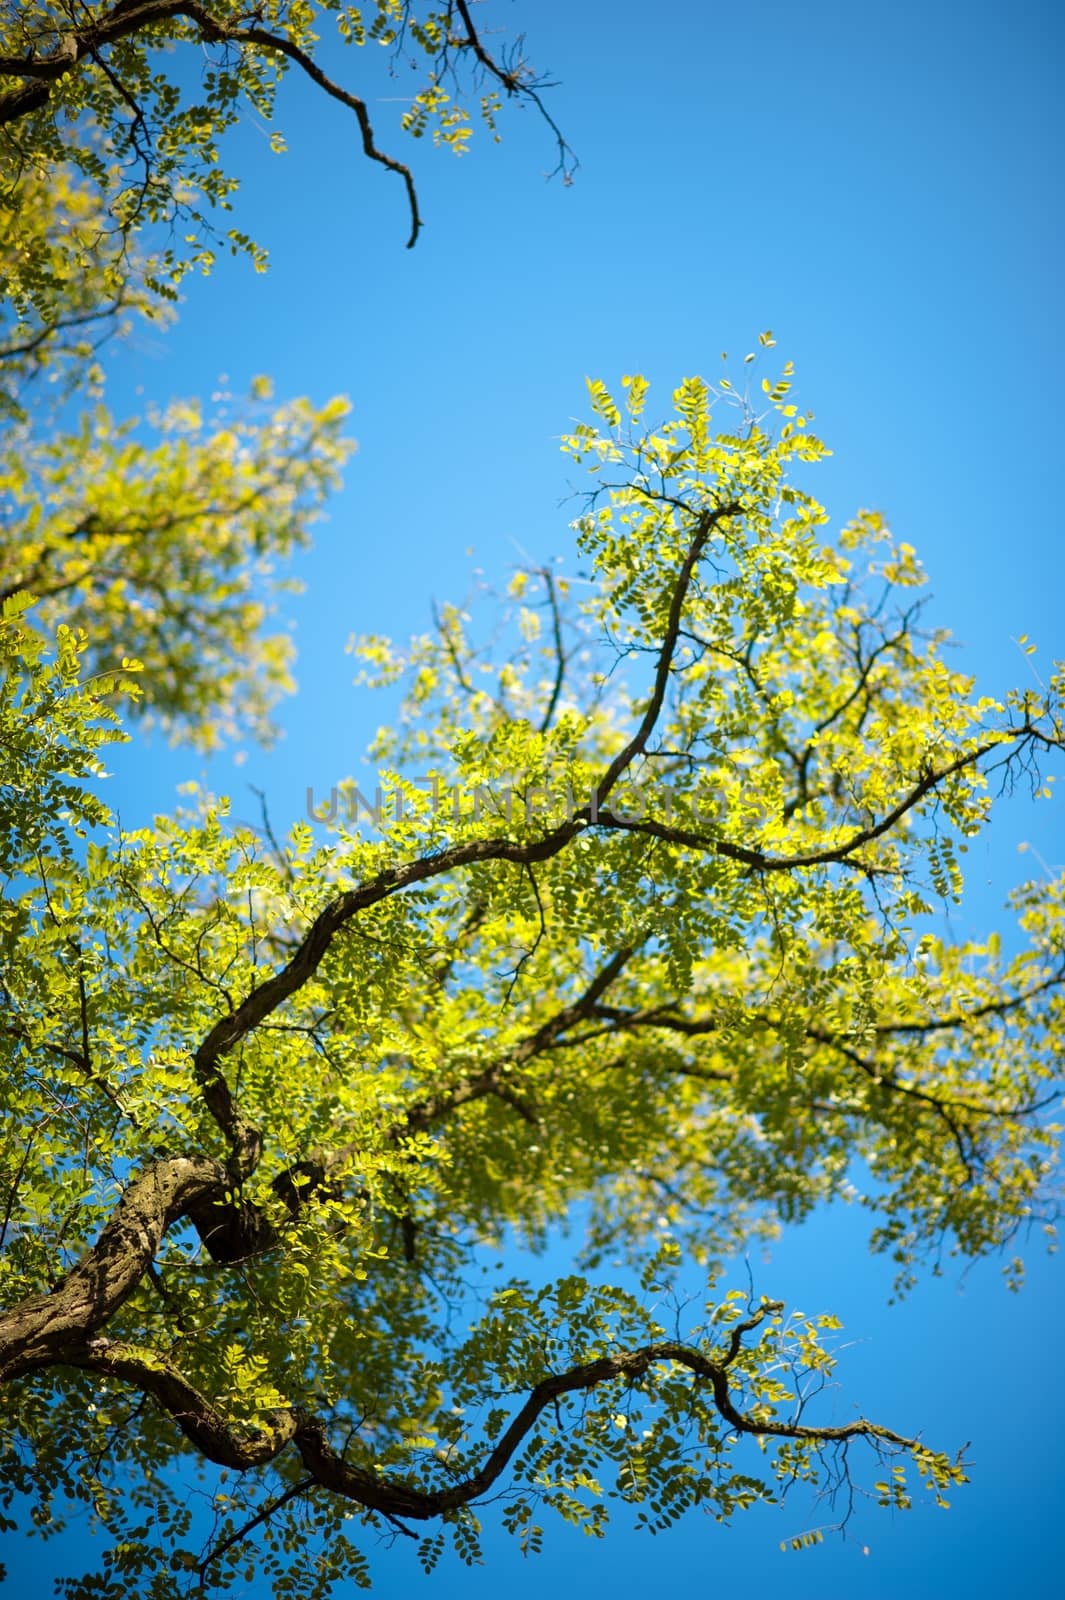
(230, 1230)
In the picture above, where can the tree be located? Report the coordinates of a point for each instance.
(662, 949)
(658, 949)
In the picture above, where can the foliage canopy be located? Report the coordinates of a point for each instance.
(643, 934)
(655, 950)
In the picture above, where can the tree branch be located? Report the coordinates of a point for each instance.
(43, 69)
(42, 1330)
(839, 854)
(705, 525)
(243, 1447)
(88, 40)
(214, 1435)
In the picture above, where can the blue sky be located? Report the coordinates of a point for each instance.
(880, 186)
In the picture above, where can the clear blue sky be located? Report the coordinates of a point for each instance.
(881, 186)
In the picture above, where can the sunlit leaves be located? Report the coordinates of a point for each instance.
(66, 284)
(638, 926)
(161, 541)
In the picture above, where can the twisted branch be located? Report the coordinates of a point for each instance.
(242, 1447)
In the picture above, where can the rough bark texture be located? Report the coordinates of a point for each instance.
(48, 1328)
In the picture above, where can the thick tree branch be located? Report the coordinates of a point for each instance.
(242, 1447)
(213, 1434)
(78, 43)
(42, 1330)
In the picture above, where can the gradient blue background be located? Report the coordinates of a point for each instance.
(880, 186)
